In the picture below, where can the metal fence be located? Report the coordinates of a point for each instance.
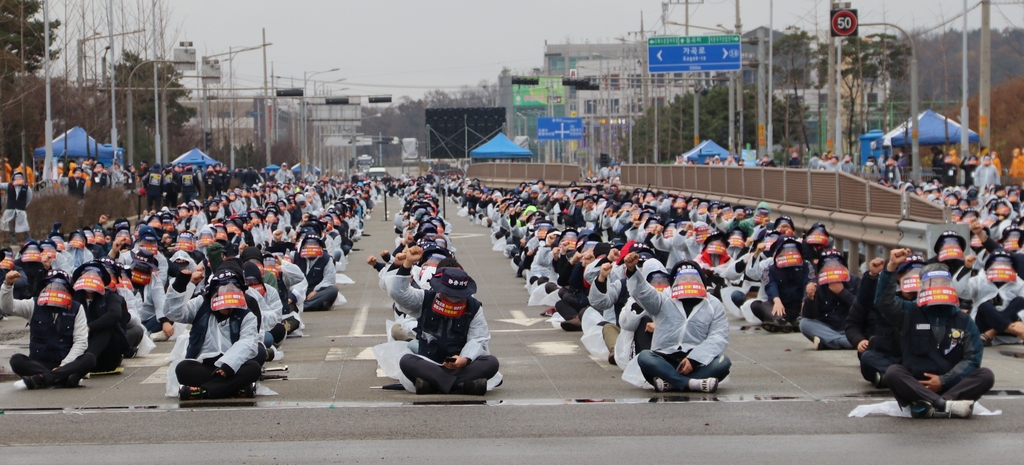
(867, 216)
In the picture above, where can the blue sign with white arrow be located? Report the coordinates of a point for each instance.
(560, 128)
(694, 54)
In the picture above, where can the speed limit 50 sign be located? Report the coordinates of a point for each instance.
(844, 23)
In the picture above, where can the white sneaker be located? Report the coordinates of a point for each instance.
(817, 343)
(708, 385)
(660, 385)
(158, 336)
(960, 408)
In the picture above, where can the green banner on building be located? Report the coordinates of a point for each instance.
(548, 90)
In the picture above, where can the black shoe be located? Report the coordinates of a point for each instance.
(73, 381)
(611, 360)
(246, 392)
(880, 381)
(192, 393)
(477, 387)
(34, 382)
(922, 409)
(573, 325)
(424, 387)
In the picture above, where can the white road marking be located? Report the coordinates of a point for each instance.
(519, 318)
(555, 348)
(158, 377)
(359, 325)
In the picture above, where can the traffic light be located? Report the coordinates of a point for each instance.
(724, 135)
(580, 84)
(525, 81)
(606, 160)
(208, 140)
(290, 93)
(380, 99)
(337, 101)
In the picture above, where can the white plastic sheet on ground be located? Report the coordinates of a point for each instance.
(146, 346)
(539, 295)
(341, 300)
(556, 320)
(389, 354)
(633, 375)
(178, 351)
(463, 212)
(892, 409)
(727, 302)
(593, 337)
(341, 278)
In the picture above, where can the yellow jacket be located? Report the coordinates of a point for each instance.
(1017, 168)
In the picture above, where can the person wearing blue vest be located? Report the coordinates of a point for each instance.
(940, 374)
(451, 353)
(224, 340)
(58, 333)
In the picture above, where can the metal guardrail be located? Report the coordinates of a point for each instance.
(512, 174)
(865, 215)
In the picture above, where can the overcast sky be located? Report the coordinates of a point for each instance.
(415, 45)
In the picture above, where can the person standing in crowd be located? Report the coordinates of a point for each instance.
(19, 195)
(189, 185)
(154, 188)
(986, 174)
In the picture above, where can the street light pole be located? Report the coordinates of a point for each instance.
(915, 102)
(156, 90)
(771, 89)
(305, 118)
(964, 114)
(113, 93)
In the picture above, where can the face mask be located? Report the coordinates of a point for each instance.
(833, 271)
(788, 257)
(1001, 271)
(186, 243)
(149, 247)
(31, 255)
(659, 281)
(448, 307)
(817, 238)
(228, 297)
(937, 289)
(311, 250)
(911, 282)
(90, 281)
(716, 248)
(688, 285)
(950, 251)
(141, 275)
(55, 295)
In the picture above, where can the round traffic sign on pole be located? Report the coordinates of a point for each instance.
(844, 23)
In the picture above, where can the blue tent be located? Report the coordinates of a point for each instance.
(932, 129)
(297, 169)
(500, 147)
(195, 157)
(702, 151)
(75, 143)
(271, 169)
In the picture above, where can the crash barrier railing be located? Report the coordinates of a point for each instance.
(868, 217)
(512, 174)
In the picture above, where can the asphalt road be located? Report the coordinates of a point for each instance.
(557, 404)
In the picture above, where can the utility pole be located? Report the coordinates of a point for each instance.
(985, 76)
(965, 116)
(156, 90)
(839, 96)
(760, 93)
(831, 116)
(770, 136)
(113, 93)
(48, 162)
(267, 109)
(739, 87)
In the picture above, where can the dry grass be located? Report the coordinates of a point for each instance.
(74, 212)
